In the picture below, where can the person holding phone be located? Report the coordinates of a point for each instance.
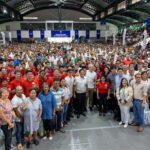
(7, 116)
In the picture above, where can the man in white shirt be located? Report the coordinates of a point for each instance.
(91, 81)
(80, 91)
(16, 103)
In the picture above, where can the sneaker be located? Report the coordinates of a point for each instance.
(50, 138)
(120, 123)
(126, 125)
(36, 142)
(45, 137)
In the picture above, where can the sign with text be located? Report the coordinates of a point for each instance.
(60, 34)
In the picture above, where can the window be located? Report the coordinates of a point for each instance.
(122, 5)
(135, 1)
(102, 15)
(110, 11)
(84, 26)
(33, 26)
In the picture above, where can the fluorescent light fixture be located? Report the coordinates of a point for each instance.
(85, 18)
(30, 18)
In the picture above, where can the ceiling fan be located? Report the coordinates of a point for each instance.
(57, 2)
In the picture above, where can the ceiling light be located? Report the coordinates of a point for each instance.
(30, 18)
(85, 18)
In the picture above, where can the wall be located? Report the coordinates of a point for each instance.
(16, 26)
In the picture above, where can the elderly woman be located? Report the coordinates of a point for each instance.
(48, 106)
(32, 109)
(125, 96)
(7, 116)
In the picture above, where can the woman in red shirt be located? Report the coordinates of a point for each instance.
(103, 92)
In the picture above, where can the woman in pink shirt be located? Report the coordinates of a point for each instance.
(7, 116)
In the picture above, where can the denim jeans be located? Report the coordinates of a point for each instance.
(58, 120)
(19, 132)
(8, 136)
(138, 112)
(65, 108)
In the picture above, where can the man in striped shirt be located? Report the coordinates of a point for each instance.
(59, 96)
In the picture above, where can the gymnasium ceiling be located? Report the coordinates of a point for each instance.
(17, 9)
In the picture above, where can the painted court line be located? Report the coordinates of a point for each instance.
(96, 128)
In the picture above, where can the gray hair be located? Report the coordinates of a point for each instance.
(45, 83)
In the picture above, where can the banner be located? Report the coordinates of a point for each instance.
(10, 37)
(18, 35)
(106, 36)
(55, 33)
(87, 34)
(3, 37)
(42, 34)
(124, 37)
(76, 34)
(144, 40)
(30, 33)
(98, 34)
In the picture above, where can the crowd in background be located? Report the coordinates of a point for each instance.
(51, 83)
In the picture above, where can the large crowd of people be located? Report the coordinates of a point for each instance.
(49, 84)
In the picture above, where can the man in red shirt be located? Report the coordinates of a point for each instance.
(29, 83)
(5, 75)
(23, 70)
(17, 81)
(32, 68)
(127, 60)
(103, 93)
(41, 79)
(56, 75)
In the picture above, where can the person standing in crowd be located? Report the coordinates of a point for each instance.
(112, 102)
(69, 83)
(48, 106)
(17, 103)
(103, 94)
(125, 96)
(41, 79)
(60, 100)
(67, 100)
(7, 117)
(118, 78)
(32, 111)
(80, 91)
(56, 76)
(91, 82)
(29, 83)
(139, 99)
(17, 81)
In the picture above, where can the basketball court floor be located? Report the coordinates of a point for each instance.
(97, 133)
